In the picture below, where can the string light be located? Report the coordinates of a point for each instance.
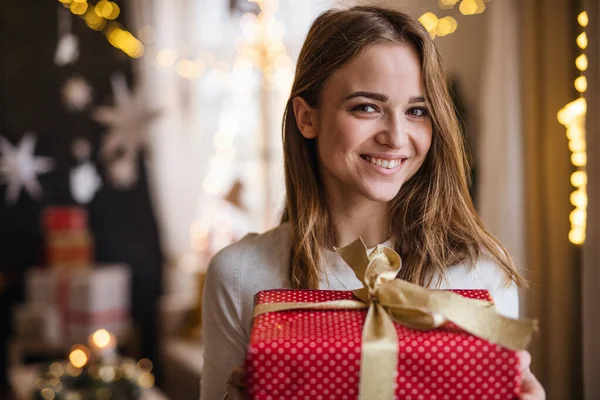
(101, 18)
(572, 116)
(471, 7)
(78, 358)
(447, 4)
(581, 84)
(582, 18)
(581, 62)
(582, 41)
(437, 26)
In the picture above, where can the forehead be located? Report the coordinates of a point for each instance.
(389, 68)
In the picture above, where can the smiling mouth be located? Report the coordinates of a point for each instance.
(383, 162)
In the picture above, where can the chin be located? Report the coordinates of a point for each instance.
(381, 195)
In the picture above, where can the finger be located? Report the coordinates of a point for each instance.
(524, 361)
(234, 393)
(238, 377)
(531, 388)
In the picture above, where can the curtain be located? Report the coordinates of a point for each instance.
(547, 52)
(591, 253)
(500, 158)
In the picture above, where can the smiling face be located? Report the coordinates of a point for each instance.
(372, 127)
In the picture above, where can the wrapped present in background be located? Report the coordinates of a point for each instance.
(36, 322)
(389, 339)
(85, 299)
(69, 244)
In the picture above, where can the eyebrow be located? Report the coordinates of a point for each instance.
(382, 97)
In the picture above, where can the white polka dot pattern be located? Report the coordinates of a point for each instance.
(316, 355)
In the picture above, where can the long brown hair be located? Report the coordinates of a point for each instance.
(432, 218)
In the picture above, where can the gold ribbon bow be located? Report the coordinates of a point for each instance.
(389, 299)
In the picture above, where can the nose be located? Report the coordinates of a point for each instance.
(395, 133)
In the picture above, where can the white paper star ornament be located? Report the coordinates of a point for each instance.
(76, 93)
(127, 121)
(19, 167)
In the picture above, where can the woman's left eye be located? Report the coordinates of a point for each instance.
(365, 108)
(419, 112)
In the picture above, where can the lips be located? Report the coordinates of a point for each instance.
(386, 163)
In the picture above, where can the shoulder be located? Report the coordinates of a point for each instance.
(229, 263)
(488, 274)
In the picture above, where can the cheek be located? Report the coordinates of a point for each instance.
(423, 142)
(338, 138)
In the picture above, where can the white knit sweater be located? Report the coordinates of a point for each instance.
(260, 262)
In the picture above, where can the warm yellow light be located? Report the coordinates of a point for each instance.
(101, 338)
(107, 373)
(582, 41)
(73, 370)
(114, 37)
(574, 132)
(581, 62)
(578, 178)
(480, 6)
(189, 69)
(582, 18)
(166, 57)
(468, 7)
(577, 235)
(429, 20)
(577, 145)
(104, 8)
(41, 383)
(579, 198)
(581, 84)
(78, 358)
(80, 1)
(444, 27)
(66, 1)
(453, 24)
(446, 4)
(145, 365)
(579, 159)
(577, 217)
(94, 21)
(48, 394)
(115, 11)
(56, 369)
(138, 52)
(146, 380)
(78, 8)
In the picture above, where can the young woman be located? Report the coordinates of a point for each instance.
(372, 148)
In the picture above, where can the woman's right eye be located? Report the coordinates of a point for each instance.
(365, 108)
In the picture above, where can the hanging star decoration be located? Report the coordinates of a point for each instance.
(19, 167)
(128, 122)
(76, 93)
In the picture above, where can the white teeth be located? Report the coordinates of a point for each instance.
(389, 164)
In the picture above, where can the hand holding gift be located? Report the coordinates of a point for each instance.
(412, 340)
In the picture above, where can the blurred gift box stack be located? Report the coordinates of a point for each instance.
(68, 241)
(71, 297)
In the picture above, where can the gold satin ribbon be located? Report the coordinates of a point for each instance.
(389, 299)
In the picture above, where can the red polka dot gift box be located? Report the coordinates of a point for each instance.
(315, 354)
(391, 339)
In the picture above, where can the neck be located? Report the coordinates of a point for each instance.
(365, 219)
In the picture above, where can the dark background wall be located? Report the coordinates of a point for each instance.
(122, 221)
